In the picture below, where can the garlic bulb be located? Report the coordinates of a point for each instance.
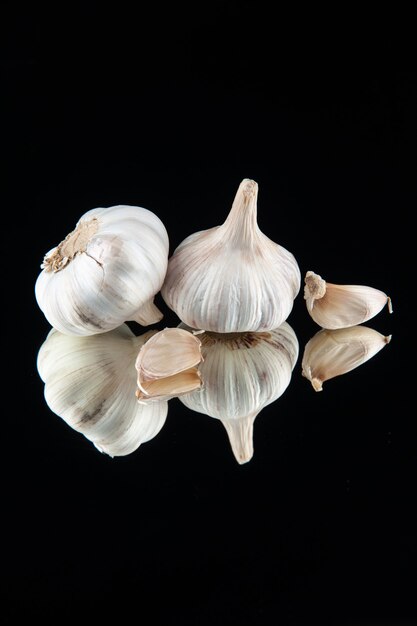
(232, 278)
(330, 353)
(107, 271)
(242, 373)
(340, 306)
(167, 365)
(90, 382)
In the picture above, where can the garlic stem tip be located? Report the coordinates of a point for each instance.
(388, 338)
(317, 384)
(249, 187)
(389, 302)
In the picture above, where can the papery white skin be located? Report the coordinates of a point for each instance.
(241, 375)
(232, 278)
(113, 280)
(331, 353)
(90, 382)
(335, 306)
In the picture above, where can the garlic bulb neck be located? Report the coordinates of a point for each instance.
(240, 433)
(147, 314)
(241, 227)
(73, 243)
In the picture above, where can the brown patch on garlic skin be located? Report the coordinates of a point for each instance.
(235, 341)
(73, 244)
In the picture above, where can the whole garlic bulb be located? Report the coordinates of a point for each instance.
(241, 374)
(232, 278)
(90, 382)
(107, 271)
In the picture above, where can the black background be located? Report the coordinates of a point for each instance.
(170, 108)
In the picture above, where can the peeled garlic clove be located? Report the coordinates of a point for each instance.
(241, 374)
(167, 364)
(331, 353)
(232, 278)
(340, 306)
(105, 272)
(90, 382)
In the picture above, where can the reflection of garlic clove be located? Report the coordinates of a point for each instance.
(105, 272)
(167, 365)
(91, 381)
(242, 373)
(340, 306)
(232, 278)
(330, 353)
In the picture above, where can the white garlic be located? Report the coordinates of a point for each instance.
(90, 382)
(242, 373)
(232, 278)
(331, 353)
(107, 271)
(340, 306)
(167, 365)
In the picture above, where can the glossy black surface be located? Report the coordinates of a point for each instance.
(170, 110)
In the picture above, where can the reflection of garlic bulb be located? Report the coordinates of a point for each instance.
(91, 381)
(341, 306)
(330, 353)
(232, 278)
(241, 374)
(107, 271)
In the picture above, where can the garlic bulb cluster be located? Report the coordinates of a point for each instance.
(232, 278)
(167, 365)
(106, 272)
(233, 353)
(340, 306)
(241, 374)
(331, 353)
(90, 382)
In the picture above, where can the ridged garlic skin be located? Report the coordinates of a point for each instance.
(106, 272)
(90, 382)
(232, 278)
(331, 353)
(242, 374)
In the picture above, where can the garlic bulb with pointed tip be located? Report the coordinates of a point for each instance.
(341, 306)
(232, 278)
(106, 272)
(331, 353)
(241, 374)
(90, 382)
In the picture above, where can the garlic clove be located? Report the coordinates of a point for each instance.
(240, 433)
(258, 282)
(241, 374)
(331, 353)
(105, 272)
(167, 364)
(335, 306)
(90, 382)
